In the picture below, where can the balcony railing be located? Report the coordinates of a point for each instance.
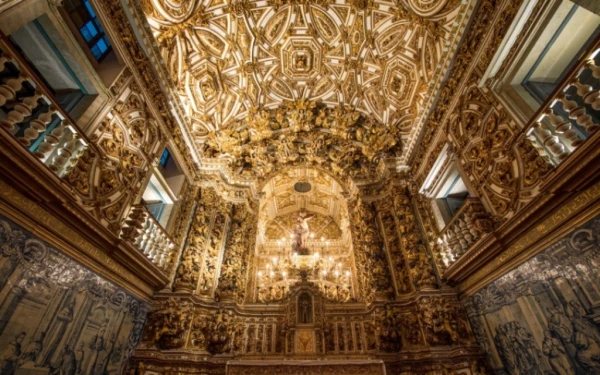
(569, 116)
(467, 227)
(30, 113)
(148, 236)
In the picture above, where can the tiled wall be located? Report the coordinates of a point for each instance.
(543, 317)
(58, 317)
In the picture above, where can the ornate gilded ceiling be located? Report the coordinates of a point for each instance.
(340, 85)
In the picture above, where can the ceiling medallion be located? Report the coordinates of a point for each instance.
(302, 187)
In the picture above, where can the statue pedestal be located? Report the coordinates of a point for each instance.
(183, 287)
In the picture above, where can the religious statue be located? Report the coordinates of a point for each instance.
(301, 232)
(305, 307)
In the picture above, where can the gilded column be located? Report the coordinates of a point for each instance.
(214, 247)
(413, 246)
(397, 259)
(187, 274)
(371, 261)
(183, 224)
(239, 250)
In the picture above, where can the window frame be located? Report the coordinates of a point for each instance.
(85, 7)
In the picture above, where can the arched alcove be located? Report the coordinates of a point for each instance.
(305, 205)
(305, 309)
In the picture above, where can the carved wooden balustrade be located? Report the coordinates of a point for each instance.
(148, 236)
(34, 126)
(565, 120)
(467, 227)
(34, 116)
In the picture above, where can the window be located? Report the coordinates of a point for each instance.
(545, 55)
(158, 199)
(451, 196)
(163, 188)
(171, 172)
(445, 188)
(164, 159)
(574, 30)
(39, 42)
(84, 18)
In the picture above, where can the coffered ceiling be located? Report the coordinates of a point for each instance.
(342, 85)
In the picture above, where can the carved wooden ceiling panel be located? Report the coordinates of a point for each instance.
(269, 84)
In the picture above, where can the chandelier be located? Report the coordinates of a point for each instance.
(303, 258)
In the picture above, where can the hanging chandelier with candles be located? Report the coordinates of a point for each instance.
(299, 257)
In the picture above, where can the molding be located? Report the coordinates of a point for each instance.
(414, 357)
(576, 213)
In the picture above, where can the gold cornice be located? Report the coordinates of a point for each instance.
(415, 357)
(276, 308)
(423, 119)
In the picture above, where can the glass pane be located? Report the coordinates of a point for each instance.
(89, 8)
(92, 28)
(165, 157)
(103, 47)
(96, 51)
(86, 34)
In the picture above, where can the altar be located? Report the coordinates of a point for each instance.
(307, 367)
